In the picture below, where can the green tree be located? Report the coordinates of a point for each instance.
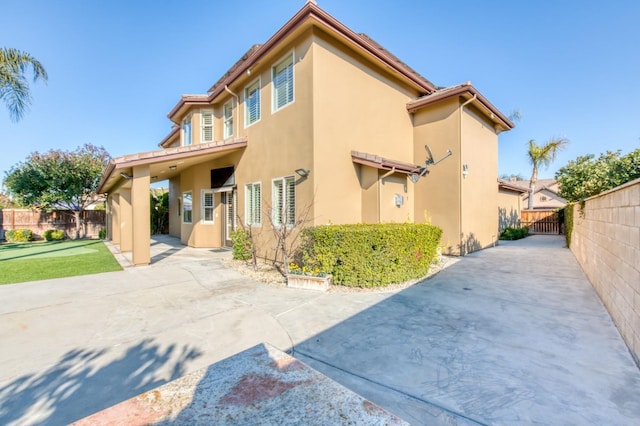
(542, 156)
(59, 179)
(14, 87)
(159, 204)
(587, 175)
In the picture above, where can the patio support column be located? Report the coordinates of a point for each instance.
(126, 221)
(114, 229)
(141, 205)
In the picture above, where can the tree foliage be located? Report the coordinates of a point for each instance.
(14, 87)
(587, 175)
(541, 156)
(58, 179)
(159, 204)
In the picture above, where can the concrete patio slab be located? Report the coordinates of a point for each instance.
(509, 335)
(259, 386)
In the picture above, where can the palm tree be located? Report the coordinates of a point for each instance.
(14, 87)
(540, 156)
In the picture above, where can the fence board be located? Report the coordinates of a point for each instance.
(541, 221)
(38, 221)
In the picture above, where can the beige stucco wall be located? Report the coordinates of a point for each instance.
(356, 108)
(479, 149)
(438, 193)
(509, 208)
(606, 243)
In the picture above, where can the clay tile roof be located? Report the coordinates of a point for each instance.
(378, 162)
(235, 66)
(393, 57)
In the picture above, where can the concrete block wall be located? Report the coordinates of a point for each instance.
(606, 242)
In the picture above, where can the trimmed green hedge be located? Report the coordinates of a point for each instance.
(53, 235)
(370, 255)
(568, 222)
(241, 244)
(510, 233)
(18, 235)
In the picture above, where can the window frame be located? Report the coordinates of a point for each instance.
(274, 98)
(259, 102)
(183, 139)
(226, 120)
(290, 207)
(203, 207)
(249, 195)
(184, 208)
(203, 125)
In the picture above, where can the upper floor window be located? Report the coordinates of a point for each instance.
(253, 204)
(186, 131)
(252, 103)
(284, 201)
(207, 206)
(187, 207)
(228, 119)
(282, 77)
(206, 125)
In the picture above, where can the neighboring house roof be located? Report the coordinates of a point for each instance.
(548, 187)
(469, 92)
(318, 17)
(503, 184)
(165, 159)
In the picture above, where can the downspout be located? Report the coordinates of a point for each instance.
(236, 108)
(462, 243)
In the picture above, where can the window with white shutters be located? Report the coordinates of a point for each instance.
(252, 103)
(187, 207)
(253, 204)
(228, 119)
(206, 125)
(282, 77)
(284, 201)
(186, 131)
(207, 206)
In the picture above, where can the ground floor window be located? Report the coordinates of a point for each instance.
(284, 201)
(207, 206)
(253, 204)
(187, 207)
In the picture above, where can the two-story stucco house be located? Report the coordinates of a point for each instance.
(321, 120)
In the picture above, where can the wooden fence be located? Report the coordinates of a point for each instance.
(38, 221)
(542, 221)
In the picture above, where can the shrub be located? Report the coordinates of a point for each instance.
(370, 255)
(568, 222)
(53, 235)
(241, 244)
(18, 235)
(510, 233)
(102, 234)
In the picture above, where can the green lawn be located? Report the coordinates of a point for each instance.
(20, 262)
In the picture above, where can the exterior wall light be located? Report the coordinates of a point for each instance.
(303, 172)
(173, 167)
(126, 176)
(465, 170)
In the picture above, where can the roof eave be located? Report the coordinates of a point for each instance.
(464, 89)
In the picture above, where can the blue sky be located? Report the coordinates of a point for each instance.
(117, 67)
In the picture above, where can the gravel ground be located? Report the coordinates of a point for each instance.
(268, 274)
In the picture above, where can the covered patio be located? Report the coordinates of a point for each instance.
(127, 182)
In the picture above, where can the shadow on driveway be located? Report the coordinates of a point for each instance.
(79, 384)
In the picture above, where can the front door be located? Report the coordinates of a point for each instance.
(229, 201)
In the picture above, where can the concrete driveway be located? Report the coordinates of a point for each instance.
(509, 335)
